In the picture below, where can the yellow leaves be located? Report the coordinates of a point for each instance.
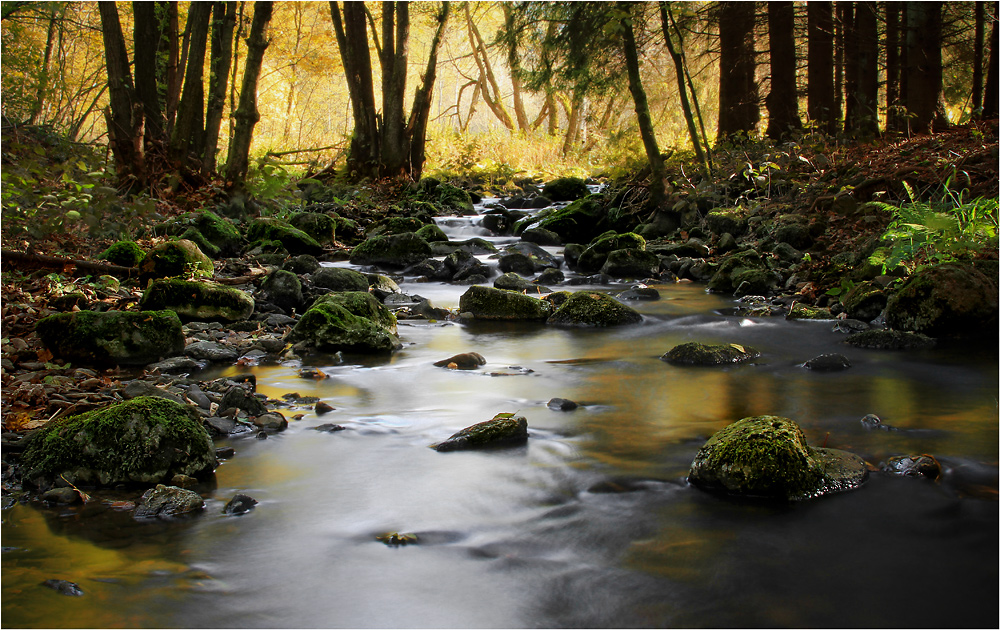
(738, 348)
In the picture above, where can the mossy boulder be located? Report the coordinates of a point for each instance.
(865, 301)
(631, 263)
(294, 240)
(510, 281)
(496, 304)
(593, 309)
(952, 299)
(432, 233)
(301, 264)
(505, 429)
(321, 227)
(566, 189)
(768, 457)
(351, 321)
(340, 279)
(596, 254)
(804, 311)
(112, 337)
(884, 339)
(175, 258)
(694, 353)
(197, 301)
(396, 225)
(143, 440)
(453, 199)
(395, 250)
(283, 289)
(725, 278)
(579, 222)
(123, 254)
(727, 220)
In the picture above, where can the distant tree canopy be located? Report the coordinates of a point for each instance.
(203, 87)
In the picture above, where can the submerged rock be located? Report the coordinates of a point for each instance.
(594, 309)
(913, 466)
(167, 501)
(113, 337)
(65, 587)
(504, 429)
(240, 504)
(767, 456)
(694, 353)
(143, 440)
(828, 363)
(561, 404)
(882, 339)
(871, 422)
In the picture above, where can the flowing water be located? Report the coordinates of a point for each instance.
(591, 524)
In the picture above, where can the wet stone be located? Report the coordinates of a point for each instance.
(828, 363)
(240, 504)
(329, 428)
(913, 466)
(64, 587)
(871, 422)
(322, 407)
(61, 496)
(561, 404)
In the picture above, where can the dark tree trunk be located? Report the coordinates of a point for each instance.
(850, 38)
(352, 39)
(146, 35)
(416, 128)
(978, 55)
(991, 96)
(904, 64)
(675, 55)
(190, 126)
(43, 78)
(783, 99)
(514, 63)
(656, 186)
(738, 100)
(223, 25)
(395, 156)
(124, 120)
(838, 63)
(892, 66)
(246, 114)
(168, 75)
(862, 96)
(820, 66)
(924, 99)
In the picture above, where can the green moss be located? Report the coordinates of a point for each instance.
(123, 253)
(294, 240)
(175, 258)
(727, 220)
(454, 198)
(578, 222)
(631, 263)
(802, 311)
(113, 337)
(593, 309)
(497, 304)
(397, 225)
(504, 429)
(731, 266)
(204, 301)
(694, 353)
(351, 321)
(432, 233)
(397, 250)
(199, 239)
(596, 254)
(146, 439)
(566, 189)
(321, 227)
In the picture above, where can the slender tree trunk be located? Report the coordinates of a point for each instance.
(682, 89)
(246, 114)
(352, 39)
(850, 63)
(416, 128)
(656, 186)
(223, 25)
(904, 64)
(862, 99)
(573, 114)
(783, 99)
(924, 98)
(145, 29)
(124, 119)
(838, 63)
(395, 156)
(514, 64)
(820, 90)
(892, 65)
(492, 95)
(167, 71)
(43, 77)
(738, 98)
(190, 125)
(978, 54)
(990, 105)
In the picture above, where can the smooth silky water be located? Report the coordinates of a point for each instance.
(590, 525)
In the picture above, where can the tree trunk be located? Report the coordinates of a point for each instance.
(167, 71)
(738, 100)
(665, 19)
(862, 97)
(990, 99)
(892, 66)
(43, 77)
(573, 109)
(416, 128)
(783, 99)
(850, 38)
(223, 25)
(656, 186)
(491, 93)
(394, 159)
(820, 66)
(352, 39)
(924, 98)
(838, 63)
(978, 53)
(246, 114)
(514, 64)
(190, 126)
(124, 120)
(146, 35)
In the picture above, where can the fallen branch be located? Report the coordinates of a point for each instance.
(66, 265)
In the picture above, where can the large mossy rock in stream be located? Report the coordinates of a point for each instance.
(294, 240)
(175, 258)
(214, 235)
(694, 353)
(432, 233)
(566, 189)
(953, 299)
(593, 309)
(143, 440)
(283, 289)
(123, 254)
(579, 222)
(767, 457)
(497, 304)
(340, 279)
(394, 250)
(596, 254)
(865, 301)
(112, 337)
(454, 199)
(197, 301)
(884, 339)
(351, 321)
(505, 429)
(736, 269)
(321, 227)
(631, 263)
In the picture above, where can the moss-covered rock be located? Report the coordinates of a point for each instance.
(340, 279)
(865, 301)
(510, 281)
(596, 254)
(283, 289)
(497, 304)
(593, 309)
(952, 299)
(112, 337)
(795, 234)
(631, 263)
(753, 282)
(432, 233)
(143, 440)
(293, 239)
(727, 220)
(694, 353)
(351, 321)
(453, 199)
(505, 429)
(321, 227)
(301, 264)
(566, 189)
(173, 259)
(541, 236)
(767, 456)
(804, 311)
(395, 250)
(579, 222)
(884, 339)
(197, 301)
(396, 225)
(123, 253)
(725, 276)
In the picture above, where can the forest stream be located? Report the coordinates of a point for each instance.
(591, 524)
